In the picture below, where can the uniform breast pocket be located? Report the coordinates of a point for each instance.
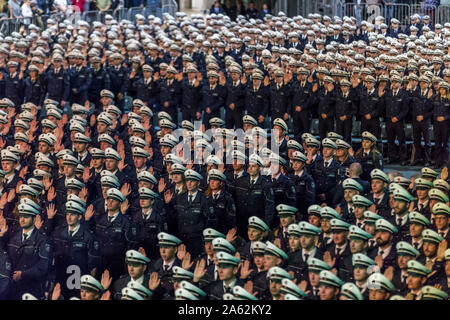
(172, 90)
(100, 77)
(257, 192)
(306, 92)
(259, 97)
(374, 99)
(220, 205)
(278, 190)
(60, 78)
(78, 245)
(215, 94)
(399, 100)
(82, 77)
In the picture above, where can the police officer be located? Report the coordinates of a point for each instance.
(326, 173)
(115, 233)
(302, 99)
(304, 185)
(222, 201)
(191, 95)
(136, 274)
(254, 196)
(57, 81)
(74, 245)
(170, 94)
(213, 97)
(257, 98)
(150, 219)
(193, 212)
(30, 253)
(422, 107)
(163, 268)
(80, 79)
(440, 124)
(283, 186)
(397, 110)
(100, 81)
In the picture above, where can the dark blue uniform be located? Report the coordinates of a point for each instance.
(80, 80)
(32, 257)
(57, 84)
(192, 219)
(253, 200)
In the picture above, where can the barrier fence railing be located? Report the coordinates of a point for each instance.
(8, 25)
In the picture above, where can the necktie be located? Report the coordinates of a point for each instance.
(404, 278)
(442, 234)
(216, 196)
(110, 219)
(315, 290)
(359, 224)
(305, 257)
(338, 251)
(190, 199)
(71, 233)
(252, 182)
(227, 289)
(414, 296)
(399, 221)
(25, 236)
(381, 252)
(235, 176)
(274, 180)
(420, 207)
(166, 268)
(416, 245)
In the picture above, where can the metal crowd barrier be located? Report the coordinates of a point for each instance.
(8, 26)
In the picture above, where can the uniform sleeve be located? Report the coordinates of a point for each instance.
(5, 275)
(94, 257)
(131, 235)
(66, 86)
(269, 207)
(231, 213)
(106, 80)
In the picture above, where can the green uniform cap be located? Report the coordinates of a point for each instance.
(316, 265)
(351, 291)
(360, 201)
(441, 209)
(330, 279)
(352, 184)
(379, 281)
(431, 293)
(329, 213)
(406, 249)
(438, 195)
(384, 225)
(371, 217)
(379, 175)
(277, 273)
(357, 233)
(286, 211)
(429, 235)
(273, 250)
(415, 268)
(338, 225)
(418, 218)
(306, 228)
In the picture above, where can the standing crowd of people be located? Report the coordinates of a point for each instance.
(174, 159)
